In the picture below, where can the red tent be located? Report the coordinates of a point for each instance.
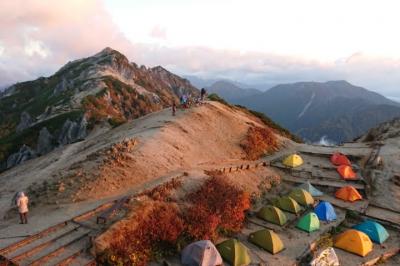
(340, 159)
(346, 172)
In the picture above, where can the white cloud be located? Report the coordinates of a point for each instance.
(33, 48)
(254, 42)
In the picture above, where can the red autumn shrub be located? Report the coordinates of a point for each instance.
(216, 206)
(162, 226)
(259, 141)
(201, 224)
(163, 192)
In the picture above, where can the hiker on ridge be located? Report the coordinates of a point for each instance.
(22, 203)
(173, 108)
(202, 93)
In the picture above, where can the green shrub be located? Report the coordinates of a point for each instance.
(214, 97)
(270, 123)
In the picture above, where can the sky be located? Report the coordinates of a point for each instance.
(253, 41)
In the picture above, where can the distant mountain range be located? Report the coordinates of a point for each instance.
(231, 92)
(335, 110)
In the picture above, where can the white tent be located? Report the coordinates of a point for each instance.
(327, 257)
(201, 253)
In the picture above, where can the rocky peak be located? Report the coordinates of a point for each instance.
(25, 122)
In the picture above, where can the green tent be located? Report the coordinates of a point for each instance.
(272, 214)
(267, 240)
(309, 222)
(287, 204)
(234, 252)
(301, 196)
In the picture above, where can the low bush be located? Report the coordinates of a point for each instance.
(158, 231)
(215, 97)
(270, 123)
(217, 207)
(258, 142)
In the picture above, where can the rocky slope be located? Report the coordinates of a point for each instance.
(335, 109)
(37, 116)
(139, 152)
(384, 131)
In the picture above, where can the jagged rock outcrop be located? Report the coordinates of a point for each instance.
(386, 130)
(25, 122)
(73, 131)
(62, 86)
(25, 153)
(45, 142)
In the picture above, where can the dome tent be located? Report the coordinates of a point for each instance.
(268, 240)
(375, 231)
(325, 211)
(201, 253)
(301, 196)
(272, 214)
(309, 222)
(288, 204)
(293, 160)
(340, 159)
(327, 257)
(354, 241)
(234, 252)
(348, 193)
(311, 189)
(346, 172)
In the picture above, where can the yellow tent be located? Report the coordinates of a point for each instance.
(354, 241)
(293, 160)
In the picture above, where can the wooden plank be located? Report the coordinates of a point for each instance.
(383, 214)
(358, 206)
(32, 238)
(325, 183)
(384, 257)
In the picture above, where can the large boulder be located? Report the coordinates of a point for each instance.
(73, 131)
(45, 142)
(25, 153)
(25, 122)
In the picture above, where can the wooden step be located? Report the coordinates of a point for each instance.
(30, 239)
(69, 253)
(325, 183)
(39, 243)
(383, 214)
(39, 257)
(83, 259)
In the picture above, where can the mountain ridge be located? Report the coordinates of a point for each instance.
(335, 109)
(103, 88)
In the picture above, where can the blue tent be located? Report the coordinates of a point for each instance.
(325, 211)
(374, 230)
(311, 189)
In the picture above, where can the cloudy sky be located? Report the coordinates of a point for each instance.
(252, 41)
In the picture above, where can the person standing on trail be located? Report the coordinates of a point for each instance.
(173, 108)
(202, 93)
(22, 203)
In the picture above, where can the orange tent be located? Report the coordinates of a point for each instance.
(354, 241)
(346, 172)
(348, 193)
(340, 159)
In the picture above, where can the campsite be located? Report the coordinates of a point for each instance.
(301, 207)
(199, 133)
